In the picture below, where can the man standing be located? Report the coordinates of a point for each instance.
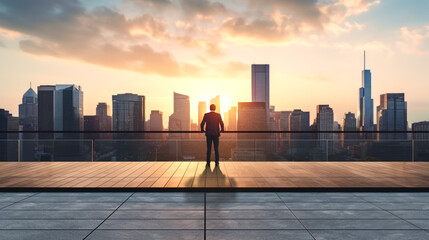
(212, 120)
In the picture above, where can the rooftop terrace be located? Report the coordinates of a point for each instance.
(230, 175)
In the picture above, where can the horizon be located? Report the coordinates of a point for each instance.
(152, 48)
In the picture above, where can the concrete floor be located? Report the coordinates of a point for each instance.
(150, 215)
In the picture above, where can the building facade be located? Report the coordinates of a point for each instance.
(349, 124)
(128, 112)
(28, 111)
(232, 119)
(202, 109)
(181, 117)
(392, 116)
(366, 103)
(261, 86)
(324, 121)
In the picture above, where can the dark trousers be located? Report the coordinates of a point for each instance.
(215, 140)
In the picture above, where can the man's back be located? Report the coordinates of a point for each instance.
(212, 120)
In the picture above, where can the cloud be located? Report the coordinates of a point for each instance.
(202, 8)
(64, 29)
(7, 34)
(158, 4)
(140, 42)
(211, 48)
(284, 21)
(414, 41)
(259, 30)
(234, 69)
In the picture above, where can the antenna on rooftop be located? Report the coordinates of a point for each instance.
(363, 59)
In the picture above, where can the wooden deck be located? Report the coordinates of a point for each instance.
(151, 175)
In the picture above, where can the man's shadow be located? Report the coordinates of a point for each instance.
(214, 199)
(211, 178)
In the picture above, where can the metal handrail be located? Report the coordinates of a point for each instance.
(245, 131)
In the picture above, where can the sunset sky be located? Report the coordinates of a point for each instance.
(204, 48)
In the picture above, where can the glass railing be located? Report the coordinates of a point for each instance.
(230, 149)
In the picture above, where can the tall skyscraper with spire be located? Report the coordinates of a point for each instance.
(366, 103)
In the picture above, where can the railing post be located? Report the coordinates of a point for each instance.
(19, 150)
(92, 150)
(412, 150)
(327, 149)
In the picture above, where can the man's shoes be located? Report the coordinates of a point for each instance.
(217, 164)
(208, 164)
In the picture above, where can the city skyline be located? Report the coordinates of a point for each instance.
(327, 72)
(366, 84)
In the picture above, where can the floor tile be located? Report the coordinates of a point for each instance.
(258, 235)
(63, 206)
(331, 206)
(237, 206)
(411, 214)
(254, 224)
(153, 224)
(249, 214)
(161, 214)
(162, 206)
(423, 224)
(59, 214)
(357, 224)
(43, 234)
(49, 224)
(344, 214)
(370, 234)
(146, 234)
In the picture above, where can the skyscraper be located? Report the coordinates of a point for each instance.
(226, 120)
(202, 109)
(284, 126)
(251, 117)
(68, 113)
(181, 117)
(45, 106)
(392, 116)
(28, 111)
(128, 112)
(232, 119)
(103, 113)
(421, 126)
(91, 123)
(28, 121)
(366, 103)
(299, 121)
(156, 124)
(156, 121)
(324, 121)
(8, 148)
(349, 124)
(261, 86)
(105, 119)
(60, 108)
(216, 101)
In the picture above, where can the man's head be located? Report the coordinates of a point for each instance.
(212, 107)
